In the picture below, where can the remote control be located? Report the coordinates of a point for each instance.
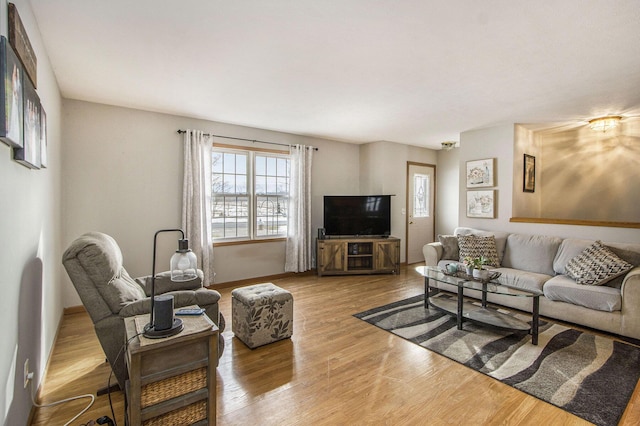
(190, 311)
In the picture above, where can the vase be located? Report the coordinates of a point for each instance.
(469, 270)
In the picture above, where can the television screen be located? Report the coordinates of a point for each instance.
(354, 215)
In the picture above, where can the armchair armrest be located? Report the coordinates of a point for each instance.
(181, 298)
(139, 307)
(432, 253)
(164, 283)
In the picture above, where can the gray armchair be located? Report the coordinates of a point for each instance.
(94, 264)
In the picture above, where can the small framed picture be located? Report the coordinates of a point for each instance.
(480, 173)
(481, 204)
(529, 175)
(11, 106)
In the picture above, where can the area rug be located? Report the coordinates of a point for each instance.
(590, 376)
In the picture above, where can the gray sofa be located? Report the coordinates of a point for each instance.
(95, 265)
(539, 263)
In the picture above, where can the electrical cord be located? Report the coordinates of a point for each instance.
(93, 398)
(73, 398)
(115, 422)
(122, 348)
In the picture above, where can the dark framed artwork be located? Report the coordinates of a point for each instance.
(43, 138)
(529, 174)
(12, 107)
(29, 154)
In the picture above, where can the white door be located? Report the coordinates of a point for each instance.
(420, 209)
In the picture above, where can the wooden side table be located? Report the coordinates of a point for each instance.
(172, 380)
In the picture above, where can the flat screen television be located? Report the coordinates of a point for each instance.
(357, 215)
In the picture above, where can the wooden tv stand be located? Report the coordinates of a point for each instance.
(344, 256)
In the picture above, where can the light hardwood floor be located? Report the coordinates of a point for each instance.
(336, 370)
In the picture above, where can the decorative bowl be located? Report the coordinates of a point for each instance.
(481, 274)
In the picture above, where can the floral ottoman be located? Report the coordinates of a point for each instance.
(261, 314)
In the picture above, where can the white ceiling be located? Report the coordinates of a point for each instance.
(411, 71)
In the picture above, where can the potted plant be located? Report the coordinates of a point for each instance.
(469, 264)
(473, 264)
(478, 263)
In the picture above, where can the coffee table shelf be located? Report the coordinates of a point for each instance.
(473, 312)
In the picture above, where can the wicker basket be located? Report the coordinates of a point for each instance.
(183, 416)
(172, 387)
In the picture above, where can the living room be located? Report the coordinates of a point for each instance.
(118, 169)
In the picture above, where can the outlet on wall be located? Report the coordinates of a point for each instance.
(26, 373)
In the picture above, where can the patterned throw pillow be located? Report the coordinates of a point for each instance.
(596, 265)
(477, 246)
(449, 246)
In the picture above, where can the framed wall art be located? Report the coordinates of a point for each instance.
(29, 154)
(481, 204)
(43, 138)
(19, 39)
(529, 175)
(480, 173)
(11, 96)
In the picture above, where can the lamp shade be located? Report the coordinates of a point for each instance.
(184, 263)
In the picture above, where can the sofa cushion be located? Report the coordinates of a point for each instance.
(596, 265)
(449, 246)
(477, 246)
(633, 257)
(501, 237)
(533, 253)
(562, 288)
(569, 248)
(522, 279)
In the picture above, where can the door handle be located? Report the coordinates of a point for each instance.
(411, 223)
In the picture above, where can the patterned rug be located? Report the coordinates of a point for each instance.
(590, 376)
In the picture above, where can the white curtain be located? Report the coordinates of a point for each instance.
(298, 252)
(196, 199)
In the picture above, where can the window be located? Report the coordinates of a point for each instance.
(250, 193)
(420, 195)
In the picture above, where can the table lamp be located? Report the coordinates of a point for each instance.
(162, 322)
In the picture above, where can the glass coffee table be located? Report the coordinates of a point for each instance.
(466, 311)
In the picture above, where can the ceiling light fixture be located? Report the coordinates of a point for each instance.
(602, 124)
(448, 145)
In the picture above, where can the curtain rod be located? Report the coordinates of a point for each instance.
(180, 131)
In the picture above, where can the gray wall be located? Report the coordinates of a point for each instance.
(30, 250)
(498, 142)
(447, 191)
(123, 176)
(589, 175)
(383, 168)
